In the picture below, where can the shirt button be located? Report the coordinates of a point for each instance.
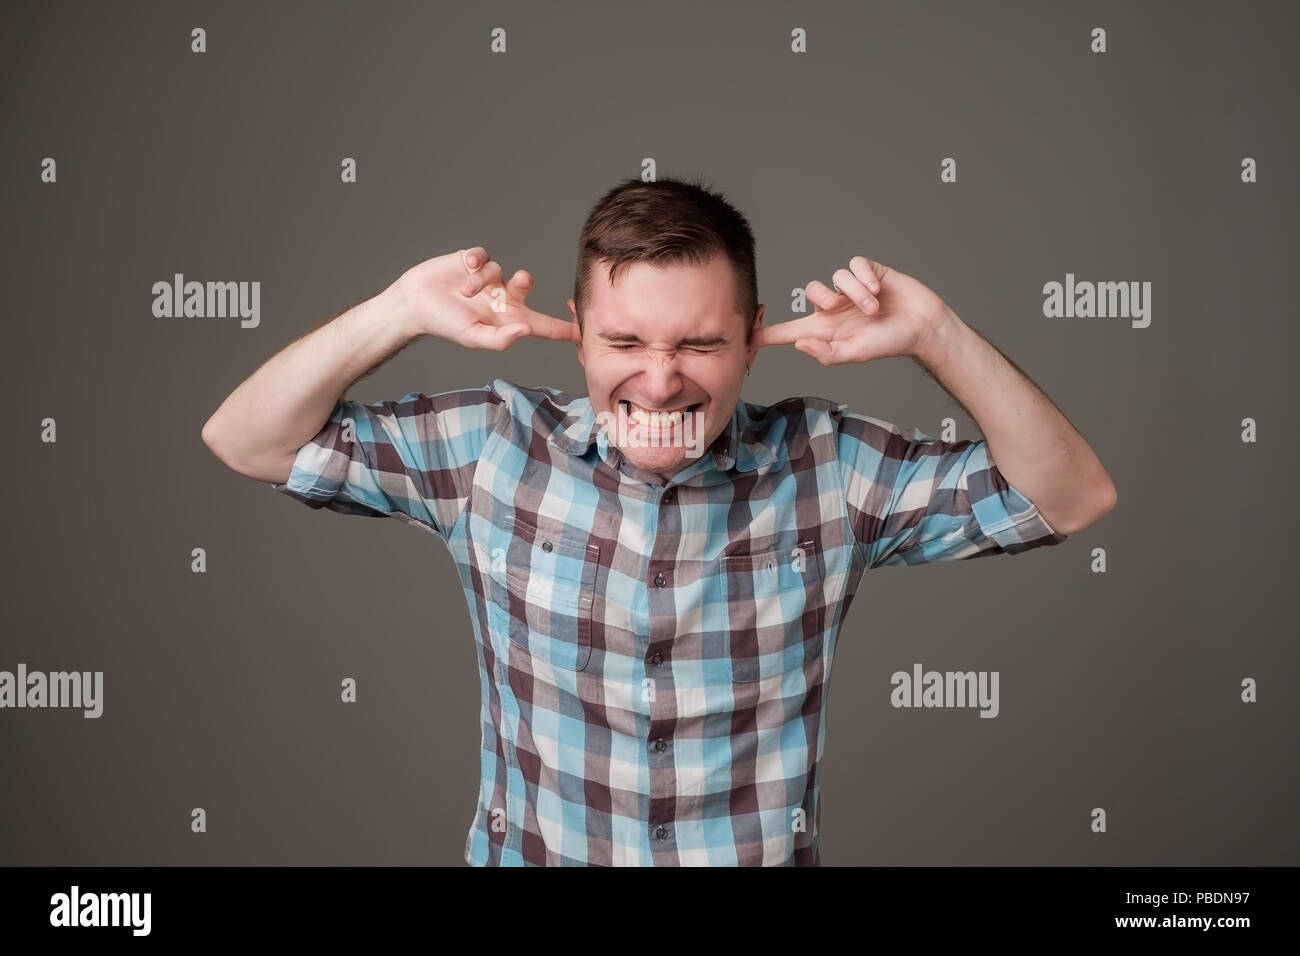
(546, 546)
(660, 581)
(657, 660)
(660, 746)
(668, 496)
(660, 833)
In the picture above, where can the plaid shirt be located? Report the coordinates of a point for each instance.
(654, 657)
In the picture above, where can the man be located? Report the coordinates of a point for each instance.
(655, 596)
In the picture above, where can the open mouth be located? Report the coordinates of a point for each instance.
(657, 418)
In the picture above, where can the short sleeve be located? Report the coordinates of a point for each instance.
(412, 459)
(913, 499)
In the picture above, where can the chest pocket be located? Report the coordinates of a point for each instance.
(550, 588)
(775, 609)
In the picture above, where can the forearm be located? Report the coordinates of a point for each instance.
(259, 428)
(1032, 444)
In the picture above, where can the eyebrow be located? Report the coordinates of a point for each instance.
(621, 337)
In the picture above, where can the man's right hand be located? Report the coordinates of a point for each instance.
(460, 297)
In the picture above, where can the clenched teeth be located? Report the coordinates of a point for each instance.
(645, 416)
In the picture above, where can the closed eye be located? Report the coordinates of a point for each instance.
(622, 348)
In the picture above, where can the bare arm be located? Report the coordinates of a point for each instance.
(260, 427)
(1033, 444)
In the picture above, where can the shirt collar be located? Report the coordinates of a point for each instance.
(739, 445)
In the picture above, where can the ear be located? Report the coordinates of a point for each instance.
(573, 312)
(752, 352)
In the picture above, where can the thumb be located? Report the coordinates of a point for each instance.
(817, 348)
(512, 333)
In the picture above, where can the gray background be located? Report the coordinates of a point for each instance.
(1118, 690)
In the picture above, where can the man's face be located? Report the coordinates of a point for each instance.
(664, 338)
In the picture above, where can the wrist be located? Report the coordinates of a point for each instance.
(398, 305)
(938, 337)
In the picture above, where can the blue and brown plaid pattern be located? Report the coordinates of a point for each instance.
(654, 658)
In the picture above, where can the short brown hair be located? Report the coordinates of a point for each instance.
(666, 222)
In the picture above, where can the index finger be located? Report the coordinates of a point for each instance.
(786, 333)
(548, 327)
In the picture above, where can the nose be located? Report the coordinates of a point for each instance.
(660, 381)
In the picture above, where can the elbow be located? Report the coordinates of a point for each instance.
(218, 442)
(273, 467)
(211, 435)
(1107, 497)
(1111, 499)
(1104, 503)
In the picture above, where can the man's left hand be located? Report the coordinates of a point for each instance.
(877, 312)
